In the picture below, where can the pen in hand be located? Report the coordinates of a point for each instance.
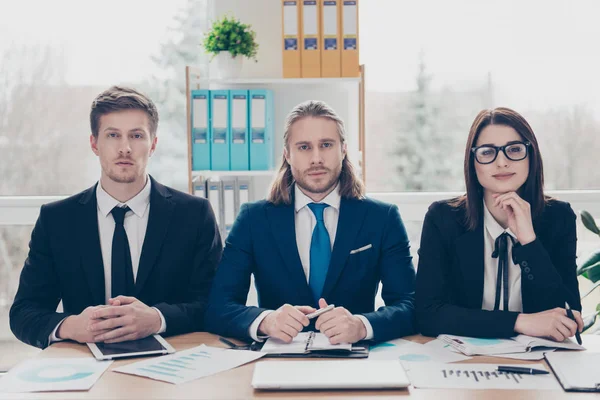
(570, 315)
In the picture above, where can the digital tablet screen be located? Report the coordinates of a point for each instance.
(133, 346)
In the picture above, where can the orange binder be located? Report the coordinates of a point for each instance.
(350, 47)
(310, 55)
(292, 68)
(331, 61)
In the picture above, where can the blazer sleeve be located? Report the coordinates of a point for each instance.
(33, 314)
(188, 315)
(436, 310)
(549, 274)
(396, 318)
(227, 313)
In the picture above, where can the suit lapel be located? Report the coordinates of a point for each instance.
(89, 244)
(350, 220)
(161, 211)
(470, 251)
(283, 225)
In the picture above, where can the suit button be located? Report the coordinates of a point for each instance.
(524, 264)
(526, 269)
(530, 277)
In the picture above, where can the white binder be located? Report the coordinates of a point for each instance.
(215, 199)
(228, 205)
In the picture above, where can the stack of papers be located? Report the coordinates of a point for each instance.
(518, 344)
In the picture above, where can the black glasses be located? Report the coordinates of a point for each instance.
(515, 151)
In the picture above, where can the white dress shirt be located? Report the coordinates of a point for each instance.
(135, 223)
(490, 233)
(305, 222)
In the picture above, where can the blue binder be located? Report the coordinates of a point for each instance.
(261, 130)
(238, 117)
(200, 130)
(219, 130)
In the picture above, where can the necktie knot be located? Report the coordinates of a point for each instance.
(318, 209)
(500, 244)
(118, 214)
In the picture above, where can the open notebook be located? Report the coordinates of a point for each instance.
(313, 344)
(518, 344)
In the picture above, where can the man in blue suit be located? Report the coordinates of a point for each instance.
(315, 240)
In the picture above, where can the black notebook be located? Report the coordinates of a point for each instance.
(314, 344)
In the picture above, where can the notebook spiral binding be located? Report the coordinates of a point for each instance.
(309, 341)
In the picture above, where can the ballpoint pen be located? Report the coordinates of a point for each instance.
(521, 370)
(570, 315)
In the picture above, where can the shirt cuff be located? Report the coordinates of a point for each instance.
(253, 330)
(163, 323)
(368, 326)
(53, 338)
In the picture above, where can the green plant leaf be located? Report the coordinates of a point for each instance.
(229, 34)
(592, 259)
(589, 223)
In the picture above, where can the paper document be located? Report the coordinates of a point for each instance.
(475, 376)
(405, 350)
(518, 344)
(305, 342)
(53, 374)
(187, 365)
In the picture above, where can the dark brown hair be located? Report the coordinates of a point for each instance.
(119, 98)
(532, 190)
(350, 184)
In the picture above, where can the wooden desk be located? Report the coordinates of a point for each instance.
(235, 384)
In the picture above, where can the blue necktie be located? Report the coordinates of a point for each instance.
(320, 252)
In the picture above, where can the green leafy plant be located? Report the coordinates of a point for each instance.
(589, 268)
(229, 34)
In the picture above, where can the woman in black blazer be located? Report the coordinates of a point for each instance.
(499, 260)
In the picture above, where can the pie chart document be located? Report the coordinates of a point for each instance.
(53, 374)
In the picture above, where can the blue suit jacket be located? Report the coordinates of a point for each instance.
(263, 242)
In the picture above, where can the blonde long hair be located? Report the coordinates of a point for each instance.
(281, 188)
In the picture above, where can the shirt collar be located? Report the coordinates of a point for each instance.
(138, 204)
(301, 200)
(492, 226)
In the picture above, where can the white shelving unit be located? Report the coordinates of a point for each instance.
(217, 174)
(345, 95)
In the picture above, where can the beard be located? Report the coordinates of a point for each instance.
(302, 180)
(121, 176)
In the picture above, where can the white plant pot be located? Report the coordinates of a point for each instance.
(227, 66)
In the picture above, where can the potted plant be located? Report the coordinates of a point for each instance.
(590, 267)
(229, 41)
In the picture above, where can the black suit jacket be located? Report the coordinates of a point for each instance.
(449, 289)
(181, 250)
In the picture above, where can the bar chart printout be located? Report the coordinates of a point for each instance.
(191, 364)
(475, 376)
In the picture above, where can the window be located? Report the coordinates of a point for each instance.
(53, 65)
(432, 65)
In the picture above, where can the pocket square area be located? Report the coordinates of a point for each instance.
(367, 247)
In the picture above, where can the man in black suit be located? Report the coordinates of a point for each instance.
(128, 257)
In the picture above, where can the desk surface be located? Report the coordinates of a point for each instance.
(235, 383)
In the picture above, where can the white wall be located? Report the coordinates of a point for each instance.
(265, 18)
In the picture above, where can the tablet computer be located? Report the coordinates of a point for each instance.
(151, 345)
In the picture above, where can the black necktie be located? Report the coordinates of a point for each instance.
(501, 253)
(121, 267)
